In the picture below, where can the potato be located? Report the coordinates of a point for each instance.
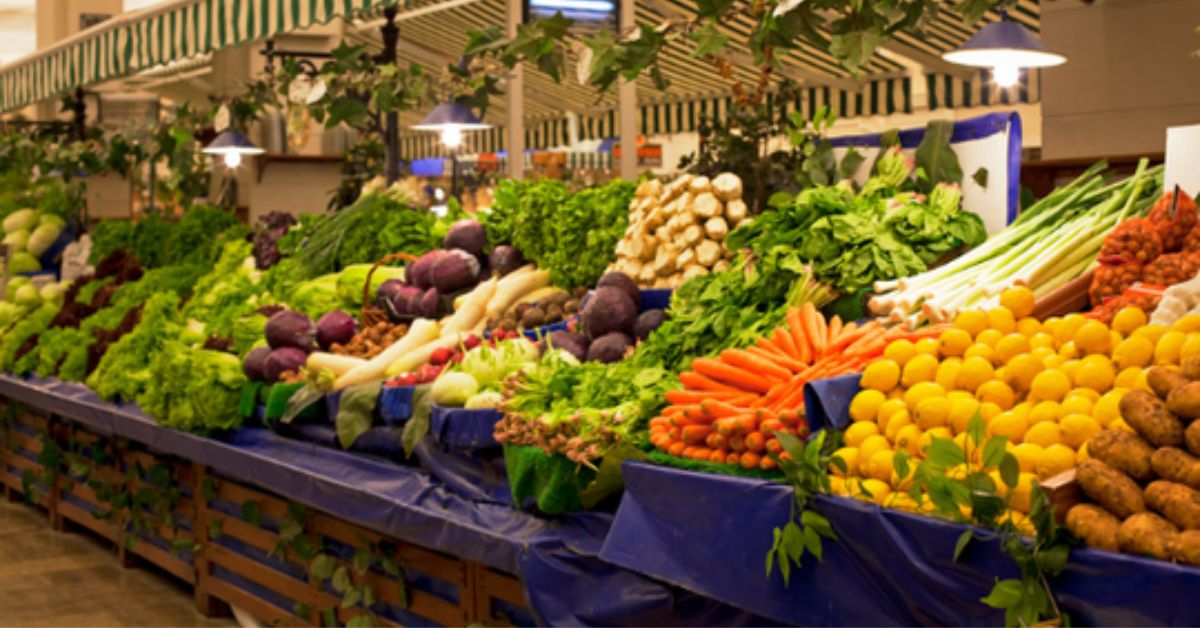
(693, 235)
(1095, 525)
(675, 281)
(675, 188)
(693, 270)
(643, 190)
(736, 210)
(1163, 380)
(1192, 437)
(661, 282)
(716, 228)
(663, 234)
(664, 260)
(699, 185)
(720, 266)
(1124, 452)
(646, 277)
(727, 186)
(1191, 367)
(1110, 488)
(1184, 401)
(705, 206)
(1178, 503)
(1148, 534)
(708, 252)
(633, 268)
(1186, 548)
(1175, 465)
(1146, 414)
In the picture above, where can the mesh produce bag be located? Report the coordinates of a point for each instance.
(1171, 269)
(1111, 279)
(1173, 218)
(1134, 240)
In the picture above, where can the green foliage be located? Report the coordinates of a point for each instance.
(806, 467)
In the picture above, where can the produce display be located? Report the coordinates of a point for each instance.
(474, 379)
(28, 233)
(677, 230)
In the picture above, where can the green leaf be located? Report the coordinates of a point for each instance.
(1010, 470)
(368, 595)
(793, 541)
(812, 542)
(214, 529)
(361, 620)
(814, 520)
(608, 480)
(1053, 559)
(356, 412)
(251, 513)
(329, 616)
(302, 545)
(321, 568)
(709, 40)
(993, 451)
(713, 8)
(973, 10)
(964, 539)
(351, 597)
(976, 431)
(944, 452)
(981, 177)
(900, 464)
(208, 490)
(346, 109)
(850, 163)
(302, 610)
(1006, 594)
(389, 567)
(362, 561)
(854, 48)
(936, 156)
(417, 426)
(341, 579)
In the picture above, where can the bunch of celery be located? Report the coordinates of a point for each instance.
(1052, 242)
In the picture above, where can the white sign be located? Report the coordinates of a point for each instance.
(75, 258)
(1183, 159)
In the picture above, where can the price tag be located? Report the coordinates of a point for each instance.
(1183, 152)
(75, 258)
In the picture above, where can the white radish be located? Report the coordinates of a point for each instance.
(472, 310)
(413, 359)
(337, 364)
(512, 288)
(419, 333)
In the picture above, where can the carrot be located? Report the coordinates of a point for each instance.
(670, 411)
(835, 330)
(777, 391)
(789, 416)
(686, 397)
(774, 446)
(719, 409)
(770, 347)
(746, 423)
(754, 364)
(755, 442)
(736, 444)
(687, 451)
(822, 330)
(715, 441)
(732, 458)
(784, 341)
(808, 318)
(701, 453)
(726, 427)
(676, 448)
(778, 358)
(750, 460)
(718, 456)
(743, 400)
(658, 439)
(864, 344)
(848, 334)
(695, 434)
(659, 421)
(732, 375)
(799, 335)
(770, 426)
(794, 398)
(696, 381)
(767, 463)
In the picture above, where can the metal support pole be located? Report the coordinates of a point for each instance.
(627, 107)
(391, 125)
(79, 107)
(515, 127)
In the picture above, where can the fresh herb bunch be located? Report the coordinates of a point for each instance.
(806, 467)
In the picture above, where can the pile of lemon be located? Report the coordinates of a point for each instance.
(1046, 386)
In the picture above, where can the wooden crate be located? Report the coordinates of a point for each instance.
(23, 444)
(77, 501)
(154, 537)
(499, 598)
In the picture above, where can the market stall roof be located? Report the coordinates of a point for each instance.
(143, 39)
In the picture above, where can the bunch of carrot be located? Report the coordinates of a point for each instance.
(732, 406)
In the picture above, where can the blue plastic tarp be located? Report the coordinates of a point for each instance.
(710, 534)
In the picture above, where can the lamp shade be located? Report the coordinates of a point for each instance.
(1004, 43)
(232, 142)
(451, 115)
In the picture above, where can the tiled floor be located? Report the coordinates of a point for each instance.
(50, 578)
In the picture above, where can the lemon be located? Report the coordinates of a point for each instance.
(1064, 331)
(1020, 497)
(1136, 351)
(1042, 340)
(928, 436)
(1045, 411)
(1143, 382)
(1151, 332)
(888, 409)
(896, 393)
(1078, 428)
(954, 341)
(1082, 454)
(1090, 394)
(1027, 455)
(896, 423)
(849, 455)
(858, 432)
(870, 446)
(920, 392)
(1002, 320)
(1116, 339)
(1001, 374)
(928, 346)
(989, 409)
(971, 321)
(1187, 323)
(967, 443)
(1044, 434)
(1191, 347)
(1068, 351)
(865, 405)
(1049, 385)
(1022, 409)
(961, 411)
(1021, 371)
(974, 372)
(1128, 319)
(1054, 460)
(1050, 325)
(1070, 368)
(1041, 353)
(1010, 347)
(1093, 337)
(1120, 424)
(980, 350)
(947, 373)
(901, 501)
(1095, 372)
(909, 439)
(900, 351)
(880, 466)
(1169, 347)
(921, 368)
(881, 375)
(1008, 425)
(837, 485)
(932, 412)
(1054, 362)
(997, 392)
(874, 490)
(1077, 404)
(1029, 327)
(1107, 408)
(989, 337)
(1019, 300)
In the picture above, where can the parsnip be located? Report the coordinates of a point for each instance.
(472, 310)
(511, 288)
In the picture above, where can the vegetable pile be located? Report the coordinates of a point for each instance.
(28, 234)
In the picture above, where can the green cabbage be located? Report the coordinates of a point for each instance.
(10, 289)
(28, 297)
(351, 280)
(16, 240)
(453, 388)
(21, 220)
(42, 238)
(23, 262)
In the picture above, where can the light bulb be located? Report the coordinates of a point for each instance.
(1006, 75)
(233, 159)
(452, 136)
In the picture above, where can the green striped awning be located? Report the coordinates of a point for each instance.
(143, 39)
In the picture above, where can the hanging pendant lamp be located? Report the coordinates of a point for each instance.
(450, 119)
(231, 145)
(1005, 46)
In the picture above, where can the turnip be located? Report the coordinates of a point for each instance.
(280, 361)
(291, 329)
(468, 235)
(335, 327)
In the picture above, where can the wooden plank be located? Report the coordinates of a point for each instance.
(424, 560)
(501, 586)
(255, 536)
(35, 421)
(27, 442)
(171, 564)
(270, 505)
(84, 518)
(258, 608)
(259, 573)
(24, 464)
(420, 603)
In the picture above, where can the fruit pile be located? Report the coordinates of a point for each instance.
(1145, 485)
(1048, 387)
